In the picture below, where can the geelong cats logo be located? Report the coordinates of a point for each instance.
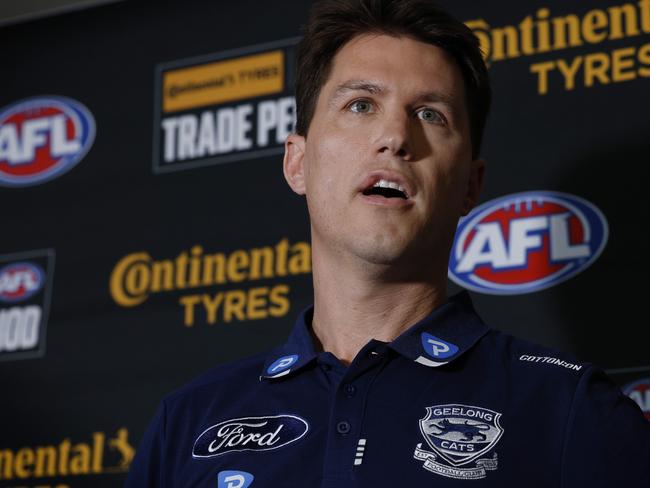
(249, 434)
(459, 435)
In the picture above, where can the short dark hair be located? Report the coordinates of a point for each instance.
(333, 23)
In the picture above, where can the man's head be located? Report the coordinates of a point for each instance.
(334, 23)
(378, 106)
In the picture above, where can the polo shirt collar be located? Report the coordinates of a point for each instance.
(297, 352)
(444, 335)
(440, 338)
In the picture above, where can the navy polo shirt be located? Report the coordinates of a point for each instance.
(449, 403)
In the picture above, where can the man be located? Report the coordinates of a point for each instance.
(386, 381)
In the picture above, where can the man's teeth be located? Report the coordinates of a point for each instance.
(389, 184)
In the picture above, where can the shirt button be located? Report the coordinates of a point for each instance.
(343, 427)
(350, 390)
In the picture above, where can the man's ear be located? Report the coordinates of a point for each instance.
(294, 162)
(474, 185)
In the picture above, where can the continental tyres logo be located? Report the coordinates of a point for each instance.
(138, 275)
(100, 454)
(223, 107)
(543, 32)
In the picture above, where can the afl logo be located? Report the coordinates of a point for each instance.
(639, 391)
(42, 138)
(19, 281)
(526, 242)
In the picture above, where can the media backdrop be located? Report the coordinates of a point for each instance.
(148, 234)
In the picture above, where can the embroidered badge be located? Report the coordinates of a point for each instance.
(441, 351)
(437, 348)
(249, 434)
(234, 479)
(280, 367)
(461, 437)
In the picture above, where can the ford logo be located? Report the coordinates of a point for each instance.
(249, 434)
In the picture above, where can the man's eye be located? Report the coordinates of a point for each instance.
(430, 115)
(361, 106)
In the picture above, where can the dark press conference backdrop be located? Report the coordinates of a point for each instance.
(148, 234)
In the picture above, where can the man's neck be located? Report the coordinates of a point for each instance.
(352, 305)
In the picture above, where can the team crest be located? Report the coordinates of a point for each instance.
(461, 438)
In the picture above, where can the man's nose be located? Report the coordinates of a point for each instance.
(394, 136)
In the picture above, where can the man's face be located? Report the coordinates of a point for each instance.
(392, 113)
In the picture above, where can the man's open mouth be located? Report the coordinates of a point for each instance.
(387, 189)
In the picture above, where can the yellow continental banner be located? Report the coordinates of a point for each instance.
(137, 275)
(223, 81)
(68, 458)
(544, 32)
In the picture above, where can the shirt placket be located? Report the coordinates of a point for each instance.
(345, 446)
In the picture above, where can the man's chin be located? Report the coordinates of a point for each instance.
(382, 253)
(375, 247)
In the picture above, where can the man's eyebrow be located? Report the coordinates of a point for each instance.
(376, 88)
(437, 97)
(356, 85)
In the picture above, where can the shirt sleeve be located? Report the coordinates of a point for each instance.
(146, 468)
(607, 440)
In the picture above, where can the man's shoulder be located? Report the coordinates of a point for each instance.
(552, 378)
(536, 363)
(527, 351)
